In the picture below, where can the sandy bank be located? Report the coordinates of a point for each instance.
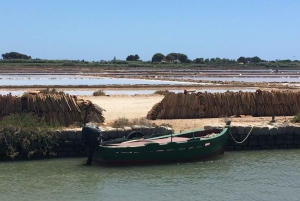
(138, 106)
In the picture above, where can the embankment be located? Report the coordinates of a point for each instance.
(70, 142)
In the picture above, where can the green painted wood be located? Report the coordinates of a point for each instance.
(192, 149)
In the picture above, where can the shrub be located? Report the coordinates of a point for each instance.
(25, 135)
(99, 92)
(166, 125)
(141, 121)
(296, 118)
(51, 91)
(121, 122)
(68, 64)
(161, 92)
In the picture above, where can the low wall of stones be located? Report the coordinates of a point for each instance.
(263, 138)
(260, 138)
(70, 142)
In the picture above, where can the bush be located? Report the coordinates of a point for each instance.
(123, 122)
(25, 135)
(296, 118)
(141, 121)
(99, 92)
(161, 92)
(51, 91)
(166, 125)
(68, 64)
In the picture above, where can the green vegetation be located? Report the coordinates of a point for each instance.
(99, 92)
(25, 135)
(161, 92)
(133, 58)
(51, 91)
(159, 60)
(15, 55)
(296, 118)
(123, 122)
(158, 57)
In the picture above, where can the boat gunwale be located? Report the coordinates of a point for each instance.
(223, 131)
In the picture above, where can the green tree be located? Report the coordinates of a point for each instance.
(171, 56)
(133, 58)
(15, 55)
(225, 60)
(218, 59)
(198, 60)
(241, 60)
(255, 59)
(157, 57)
(182, 57)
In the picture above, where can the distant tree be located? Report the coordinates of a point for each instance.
(133, 58)
(171, 56)
(241, 60)
(15, 55)
(198, 60)
(136, 57)
(285, 61)
(225, 60)
(218, 59)
(157, 57)
(182, 57)
(255, 59)
(212, 60)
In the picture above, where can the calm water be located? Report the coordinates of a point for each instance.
(257, 175)
(17, 80)
(120, 92)
(247, 78)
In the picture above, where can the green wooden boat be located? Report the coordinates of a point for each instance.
(184, 146)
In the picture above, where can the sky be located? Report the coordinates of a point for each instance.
(96, 30)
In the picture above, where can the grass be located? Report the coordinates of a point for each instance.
(161, 92)
(27, 121)
(296, 118)
(124, 122)
(51, 91)
(99, 92)
(26, 135)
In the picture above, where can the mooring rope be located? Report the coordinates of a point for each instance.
(245, 137)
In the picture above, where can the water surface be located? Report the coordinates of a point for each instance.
(252, 175)
(89, 92)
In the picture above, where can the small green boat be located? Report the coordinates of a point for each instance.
(185, 146)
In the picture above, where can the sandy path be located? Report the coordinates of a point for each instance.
(138, 106)
(125, 106)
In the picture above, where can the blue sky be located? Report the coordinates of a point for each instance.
(99, 30)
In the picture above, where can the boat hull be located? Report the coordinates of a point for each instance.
(189, 150)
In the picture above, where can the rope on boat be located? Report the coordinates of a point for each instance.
(245, 137)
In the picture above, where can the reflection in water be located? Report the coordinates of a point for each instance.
(252, 175)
